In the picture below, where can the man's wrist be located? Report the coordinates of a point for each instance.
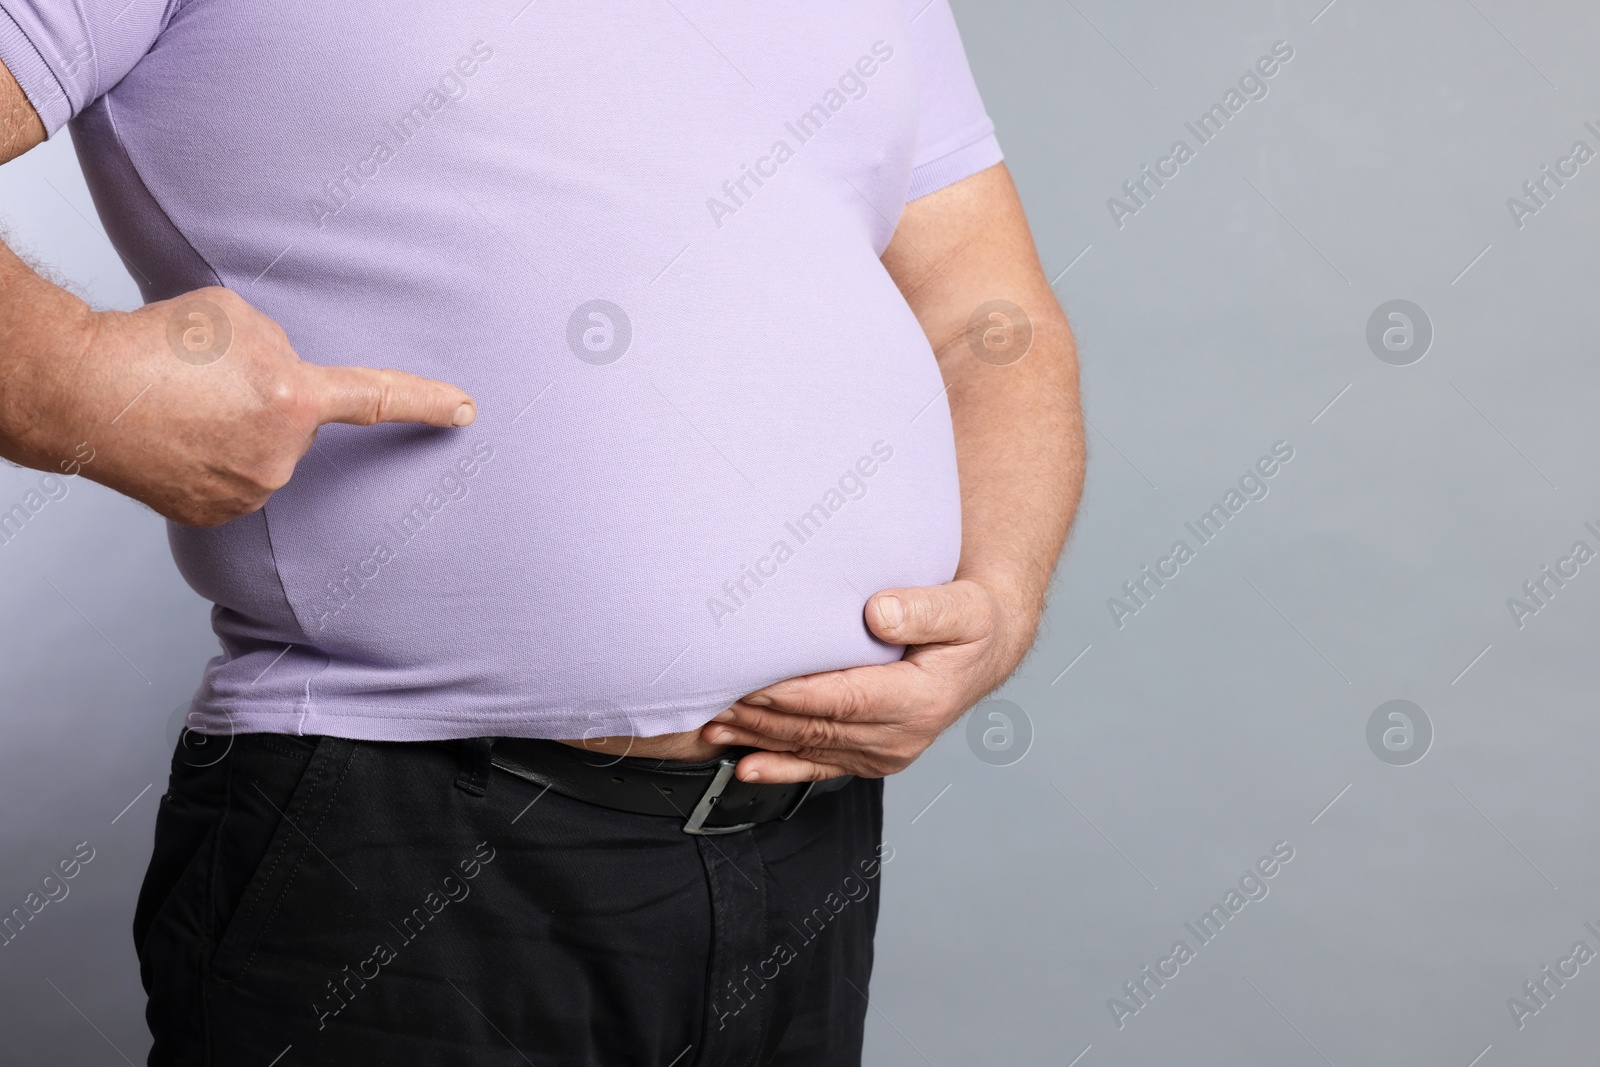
(1019, 602)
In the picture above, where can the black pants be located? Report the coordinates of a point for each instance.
(349, 903)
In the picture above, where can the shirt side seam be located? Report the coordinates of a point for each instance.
(216, 276)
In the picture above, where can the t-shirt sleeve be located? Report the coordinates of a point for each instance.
(955, 138)
(66, 54)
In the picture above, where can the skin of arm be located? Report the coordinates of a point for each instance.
(20, 128)
(1020, 452)
(201, 429)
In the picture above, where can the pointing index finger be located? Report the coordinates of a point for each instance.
(362, 396)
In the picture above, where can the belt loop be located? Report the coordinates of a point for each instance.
(475, 766)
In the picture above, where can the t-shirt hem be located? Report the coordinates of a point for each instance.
(953, 166)
(381, 723)
(39, 83)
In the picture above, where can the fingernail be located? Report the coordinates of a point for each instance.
(464, 415)
(758, 700)
(720, 737)
(753, 776)
(891, 611)
(725, 715)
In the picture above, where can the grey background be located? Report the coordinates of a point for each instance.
(1229, 714)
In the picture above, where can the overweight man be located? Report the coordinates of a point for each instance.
(732, 440)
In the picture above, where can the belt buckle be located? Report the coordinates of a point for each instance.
(695, 823)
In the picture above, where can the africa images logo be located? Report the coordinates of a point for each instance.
(851, 485)
(450, 87)
(1252, 85)
(851, 86)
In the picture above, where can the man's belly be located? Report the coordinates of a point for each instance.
(614, 548)
(709, 428)
(686, 746)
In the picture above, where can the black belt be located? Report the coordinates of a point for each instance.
(705, 795)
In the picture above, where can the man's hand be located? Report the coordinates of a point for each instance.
(874, 721)
(196, 406)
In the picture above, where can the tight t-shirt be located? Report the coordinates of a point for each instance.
(644, 236)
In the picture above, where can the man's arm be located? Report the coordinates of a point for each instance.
(196, 406)
(1018, 427)
(1019, 447)
(20, 128)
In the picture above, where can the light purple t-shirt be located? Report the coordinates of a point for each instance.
(644, 236)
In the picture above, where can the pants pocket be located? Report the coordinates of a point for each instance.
(279, 800)
(186, 821)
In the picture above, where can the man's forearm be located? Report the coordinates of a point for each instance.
(1019, 448)
(40, 322)
(1018, 427)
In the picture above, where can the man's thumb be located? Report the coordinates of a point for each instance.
(926, 615)
(362, 396)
